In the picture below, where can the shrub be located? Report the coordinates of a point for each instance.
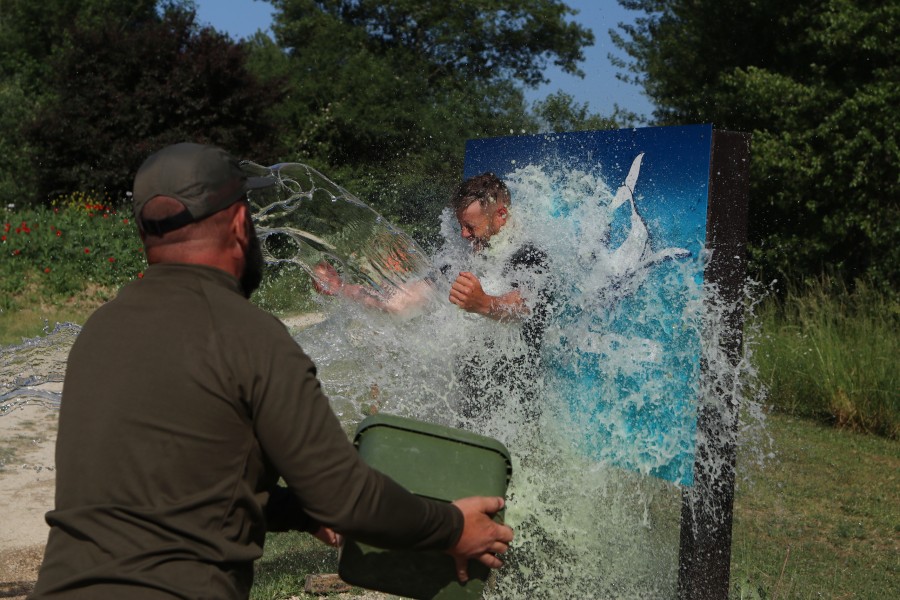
(82, 242)
(830, 354)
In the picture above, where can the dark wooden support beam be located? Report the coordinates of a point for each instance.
(707, 508)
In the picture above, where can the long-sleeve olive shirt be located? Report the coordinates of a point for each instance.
(183, 403)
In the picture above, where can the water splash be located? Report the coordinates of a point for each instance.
(30, 372)
(600, 466)
(307, 220)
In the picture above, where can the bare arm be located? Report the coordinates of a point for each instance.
(468, 294)
(408, 298)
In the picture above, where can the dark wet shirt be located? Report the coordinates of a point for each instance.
(530, 265)
(491, 376)
(182, 405)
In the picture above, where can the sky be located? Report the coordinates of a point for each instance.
(599, 89)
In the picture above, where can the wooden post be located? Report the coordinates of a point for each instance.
(706, 510)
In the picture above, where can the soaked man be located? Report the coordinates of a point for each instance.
(184, 404)
(489, 374)
(482, 206)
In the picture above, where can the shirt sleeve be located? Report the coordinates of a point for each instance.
(304, 440)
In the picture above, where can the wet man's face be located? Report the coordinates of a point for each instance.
(478, 224)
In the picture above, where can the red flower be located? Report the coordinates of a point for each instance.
(111, 259)
(125, 221)
(87, 250)
(58, 233)
(46, 269)
(3, 239)
(56, 210)
(16, 251)
(6, 228)
(141, 275)
(105, 215)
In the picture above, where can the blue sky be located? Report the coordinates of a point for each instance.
(599, 89)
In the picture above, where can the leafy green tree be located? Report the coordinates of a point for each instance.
(121, 90)
(560, 112)
(385, 93)
(30, 32)
(818, 85)
(16, 177)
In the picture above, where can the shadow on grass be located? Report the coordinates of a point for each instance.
(288, 559)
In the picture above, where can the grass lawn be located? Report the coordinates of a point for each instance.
(32, 320)
(820, 521)
(823, 519)
(34, 315)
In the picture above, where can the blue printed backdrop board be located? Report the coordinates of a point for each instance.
(624, 355)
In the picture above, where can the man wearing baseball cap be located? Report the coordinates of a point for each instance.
(184, 403)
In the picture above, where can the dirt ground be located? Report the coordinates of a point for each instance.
(27, 442)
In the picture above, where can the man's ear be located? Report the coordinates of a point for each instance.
(238, 226)
(503, 212)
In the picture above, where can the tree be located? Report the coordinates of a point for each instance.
(121, 90)
(16, 106)
(560, 112)
(30, 32)
(386, 92)
(818, 85)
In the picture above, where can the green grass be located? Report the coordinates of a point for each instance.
(282, 296)
(830, 354)
(822, 520)
(35, 317)
(289, 557)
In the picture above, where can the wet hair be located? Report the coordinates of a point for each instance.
(487, 189)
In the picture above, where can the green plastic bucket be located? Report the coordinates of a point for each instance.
(435, 462)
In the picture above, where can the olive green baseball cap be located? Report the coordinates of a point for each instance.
(205, 179)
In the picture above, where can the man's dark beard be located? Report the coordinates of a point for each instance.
(253, 263)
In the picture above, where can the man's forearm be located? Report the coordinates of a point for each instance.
(507, 307)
